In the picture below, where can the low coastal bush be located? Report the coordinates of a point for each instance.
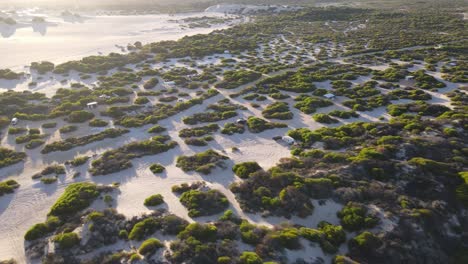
(198, 131)
(257, 125)
(248, 257)
(8, 74)
(49, 125)
(49, 180)
(79, 116)
(10, 157)
(278, 110)
(308, 104)
(151, 83)
(364, 243)
(244, 169)
(77, 196)
(325, 119)
(68, 129)
(157, 168)
(236, 78)
(156, 129)
(199, 142)
(97, 123)
(154, 200)
(150, 246)
(141, 100)
(202, 203)
(78, 161)
(70, 143)
(201, 162)
(42, 67)
(354, 217)
(119, 159)
(222, 110)
(343, 114)
(36, 231)
(233, 128)
(67, 240)
(8, 186)
(34, 143)
(16, 130)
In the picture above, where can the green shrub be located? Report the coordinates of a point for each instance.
(309, 105)
(198, 131)
(97, 123)
(233, 128)
(49, 125)
(36, 231)
(34, 143)
(236, 78)
(141, 100)
(78, 161)
(201, 203)
(68, 129)
(119, 159)
(67, 240)
(250, 258)
(257, 125)
(364, 243)
(354, 217)
(199, 231)
(157, 168)
(224, 260)
(16, 130)
(244, 169)
(48, 180)
(201, 162)
(150, 246)
(79, 116)
(143, 228)
(77, 196)
(278, 110)
(8, 186)
(154, 200)
(324, 118)
(151, 83)
(156, 129)
(196, 142)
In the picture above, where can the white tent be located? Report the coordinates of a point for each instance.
(288, 140)
(92, 104)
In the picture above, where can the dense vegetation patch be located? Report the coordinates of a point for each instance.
(204, 202)
(77, 196)
(154, 200)
(198, 131)
(119, 159)
(309, 104)
(8, 186)
(234, 79)
(244, 169)
(278, 110)
(10, 157)
(72, 142)
(257, 125)
(202, 162)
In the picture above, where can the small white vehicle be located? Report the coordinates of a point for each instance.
(14, 121)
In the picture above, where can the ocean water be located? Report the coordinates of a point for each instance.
(64, 38)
